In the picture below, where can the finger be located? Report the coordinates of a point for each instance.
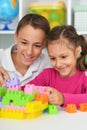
(49, 89)
(2, 83)
(52, 101)
(4, 74)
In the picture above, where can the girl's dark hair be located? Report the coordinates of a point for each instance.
(69, 32)
(36, 21)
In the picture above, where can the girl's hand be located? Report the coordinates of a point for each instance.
(3, 75)
(55, 97)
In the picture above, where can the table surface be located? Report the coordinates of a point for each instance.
(60, 121)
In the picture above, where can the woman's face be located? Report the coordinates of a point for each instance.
(63, 57)
(30, 42)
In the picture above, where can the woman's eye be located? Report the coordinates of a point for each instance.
(38, 46)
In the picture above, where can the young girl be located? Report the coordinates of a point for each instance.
(67, 80)
(25, 59)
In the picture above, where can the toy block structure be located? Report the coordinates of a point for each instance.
(18, 104)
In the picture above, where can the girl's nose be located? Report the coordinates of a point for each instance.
(58, 63)
(29, 50)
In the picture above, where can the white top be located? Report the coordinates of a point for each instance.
(6, 62)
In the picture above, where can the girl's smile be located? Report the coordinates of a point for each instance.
(30, 42)
(62, 58)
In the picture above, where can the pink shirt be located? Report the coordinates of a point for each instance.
(73, 88)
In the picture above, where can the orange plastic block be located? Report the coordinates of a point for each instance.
(42, 97)
(71, 108)
(83, 107)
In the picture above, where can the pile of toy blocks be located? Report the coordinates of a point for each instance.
(18, 104)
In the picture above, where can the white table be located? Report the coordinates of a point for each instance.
(60, 121)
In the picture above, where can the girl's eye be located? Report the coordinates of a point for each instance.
(38, 46)
(52, 58)
(24, 42)
(64, 57)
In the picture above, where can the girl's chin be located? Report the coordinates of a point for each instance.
(28, 61)
(64, 74)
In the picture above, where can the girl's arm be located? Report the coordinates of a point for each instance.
(74, 99)
(77, 98)
(3, 75)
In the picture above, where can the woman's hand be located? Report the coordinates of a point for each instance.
(55, 97)
(3, 75)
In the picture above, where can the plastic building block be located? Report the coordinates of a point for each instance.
(52, 109)
(11, 96)
(42, 97)
(33, 115)
(3, 91)
(35, 106)
(83, 107)
(12, 107)
(31, 88)
(15, 114)
(18, 98)
(71, 108)
(15, 87)
(13, 81)
(41, 90)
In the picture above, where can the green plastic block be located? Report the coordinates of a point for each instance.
(52, 109)
(3, 91)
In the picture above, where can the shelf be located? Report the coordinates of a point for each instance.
(82, 32)
(7, 32)
(6, 37)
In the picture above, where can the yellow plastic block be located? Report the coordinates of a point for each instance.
(35, 106)
(33, 115)
(15, 114)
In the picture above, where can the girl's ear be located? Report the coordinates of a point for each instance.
(78, 51)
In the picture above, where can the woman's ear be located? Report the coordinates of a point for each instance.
(78, 51)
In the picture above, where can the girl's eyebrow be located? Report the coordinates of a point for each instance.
(50, 55)
(23, 39)
(37, 42)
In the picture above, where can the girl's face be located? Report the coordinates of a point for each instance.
(63, 57)
(30, 42)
